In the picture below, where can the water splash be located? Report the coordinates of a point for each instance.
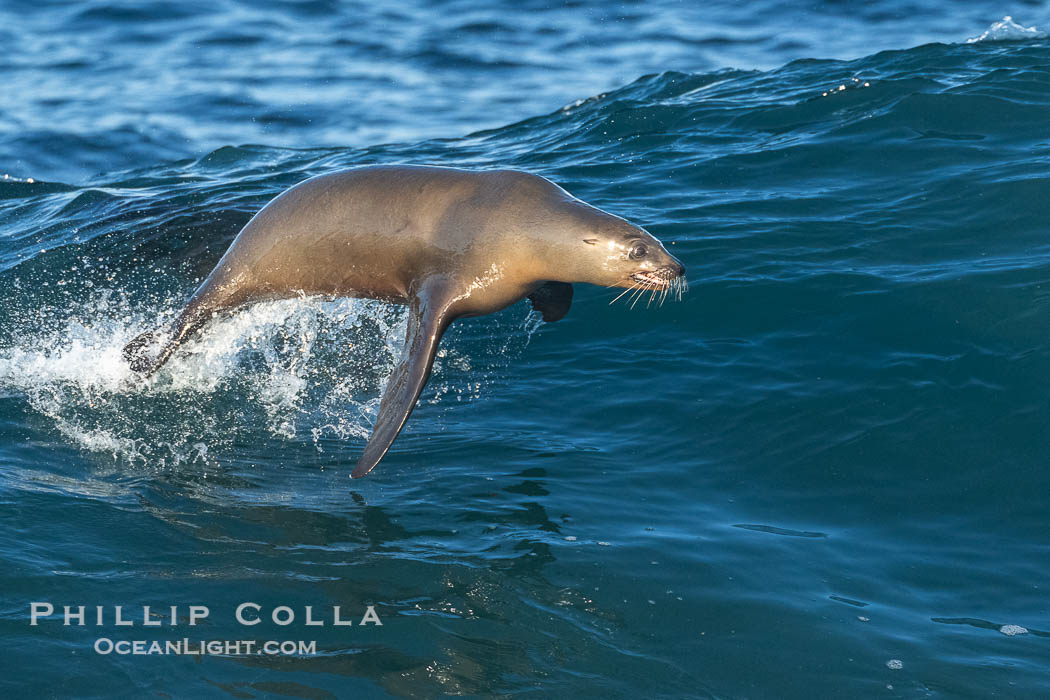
(298, 370)
(248, 369)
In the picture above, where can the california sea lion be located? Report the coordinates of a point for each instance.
(448, 243)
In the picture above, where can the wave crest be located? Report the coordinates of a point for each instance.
(1007, 29)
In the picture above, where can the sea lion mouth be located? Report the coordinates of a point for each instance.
(659, 279)
(661, 283)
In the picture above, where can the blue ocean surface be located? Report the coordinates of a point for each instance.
(822, 473)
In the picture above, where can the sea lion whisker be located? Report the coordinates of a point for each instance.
(631, 299)
(639, 294)
(622, 293)
(633, 290)
(629, 303)
(652, 295)
(639, 289)
(642, 291)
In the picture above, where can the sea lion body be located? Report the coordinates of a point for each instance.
(447, 242)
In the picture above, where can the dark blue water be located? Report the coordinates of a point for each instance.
(823, 473)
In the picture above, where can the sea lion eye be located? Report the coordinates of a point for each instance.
(638, 251)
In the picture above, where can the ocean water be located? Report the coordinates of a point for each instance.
(822, 473)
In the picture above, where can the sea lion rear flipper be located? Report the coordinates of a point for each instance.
(135, 352)
(427, 321)
(552, 300)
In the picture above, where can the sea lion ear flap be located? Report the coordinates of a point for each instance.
(552, 300)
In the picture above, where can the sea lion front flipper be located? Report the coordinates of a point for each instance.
(428, 317)
(552, 300)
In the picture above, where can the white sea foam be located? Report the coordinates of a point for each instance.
(1013, 630)
(1007, 29)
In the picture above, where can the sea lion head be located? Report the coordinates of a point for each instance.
(611, 252)
(627, 255)
(582, 243)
